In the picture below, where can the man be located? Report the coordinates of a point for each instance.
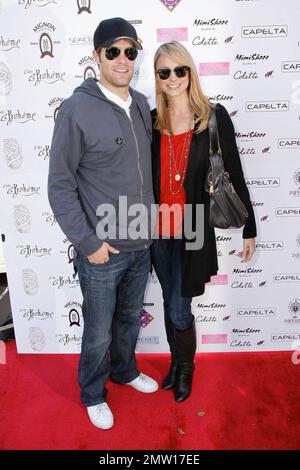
(100, 152)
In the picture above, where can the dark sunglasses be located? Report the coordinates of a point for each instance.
(113, 52)
(180, 72)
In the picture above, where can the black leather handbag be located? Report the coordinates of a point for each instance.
(226, 208)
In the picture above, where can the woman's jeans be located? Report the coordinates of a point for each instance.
(113, 295)
(166, 259)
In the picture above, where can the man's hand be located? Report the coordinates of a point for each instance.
(101, 256)
(248, 249)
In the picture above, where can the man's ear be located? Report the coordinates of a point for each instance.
(96, 56)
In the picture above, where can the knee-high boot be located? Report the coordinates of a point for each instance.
(169, 380)
(185, 349)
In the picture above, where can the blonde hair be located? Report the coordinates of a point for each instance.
(197, 100)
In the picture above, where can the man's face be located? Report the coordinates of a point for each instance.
(116, 73)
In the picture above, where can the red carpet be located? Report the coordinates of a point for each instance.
(239, 401)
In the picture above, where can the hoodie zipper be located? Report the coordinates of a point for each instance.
(141, 175)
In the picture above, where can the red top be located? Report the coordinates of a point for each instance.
(174, 151)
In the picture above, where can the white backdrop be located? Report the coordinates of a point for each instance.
(248, 56)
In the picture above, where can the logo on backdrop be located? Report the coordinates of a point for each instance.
(33, 250)
(12, 153)
(264, 31)
(31, 314)
(42, 151)
(68, 250)
(54, 105)
(82, 40)
(68, 340)
(84, 5)
(22, 218)
(30, 281)
(36, 77)
(286, 277)
(247, 271)
(74, 318)
(145, 318)
(148, 340)
(74, 313)
(296, 178)
(37, 339)
(45, 42)
(272, 245)
(214, 338)
(207, 25)
(269, 182)
(287, 211)
(257, 204)
(7, 44)
(290, 66)
(256, 312)
(60, 281)
(88, 68)
(49, 218)
(218, 280)
(10, 116)
(38, 3)
(288, 143)
(297, 254)
(172, 34)
(267, 106)
(294, 310)
(5, 79)
(285, 337)
(214, 68)
(211, 23)
(170, 4)
(251, 59)
(15, 190)
(221, 97)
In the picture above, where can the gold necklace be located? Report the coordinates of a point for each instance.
(183, 158)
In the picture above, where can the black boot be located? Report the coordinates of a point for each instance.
(169, 380)
(185, 347)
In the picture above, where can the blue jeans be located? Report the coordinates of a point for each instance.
(113, 295)
(166, 260)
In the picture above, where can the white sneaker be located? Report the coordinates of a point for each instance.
(101, 416)
(144, 384)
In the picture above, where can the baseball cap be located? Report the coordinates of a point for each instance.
(113, 29)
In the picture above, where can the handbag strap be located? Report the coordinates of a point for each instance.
(214, 141)
(215, 153)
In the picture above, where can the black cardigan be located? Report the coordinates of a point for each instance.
(199, 265)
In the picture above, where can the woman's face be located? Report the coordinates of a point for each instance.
(173, 86)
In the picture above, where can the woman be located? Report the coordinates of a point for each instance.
(180, 152)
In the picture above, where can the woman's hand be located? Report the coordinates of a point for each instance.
(248, 249)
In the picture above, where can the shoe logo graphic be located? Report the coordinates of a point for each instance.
(30, 282)
(13, 153)
(37, 339)
(170, 4)
(22, 218)
(145, 318)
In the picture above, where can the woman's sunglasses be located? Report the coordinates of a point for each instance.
(113, 52)
(180, 72)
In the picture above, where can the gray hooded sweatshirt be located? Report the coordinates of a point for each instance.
(97, 155)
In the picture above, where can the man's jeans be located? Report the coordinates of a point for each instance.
(166, 259)
(113, 295)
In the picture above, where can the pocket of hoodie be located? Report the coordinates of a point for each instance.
(103, 144)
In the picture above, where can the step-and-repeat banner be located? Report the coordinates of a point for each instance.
(248, 56)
